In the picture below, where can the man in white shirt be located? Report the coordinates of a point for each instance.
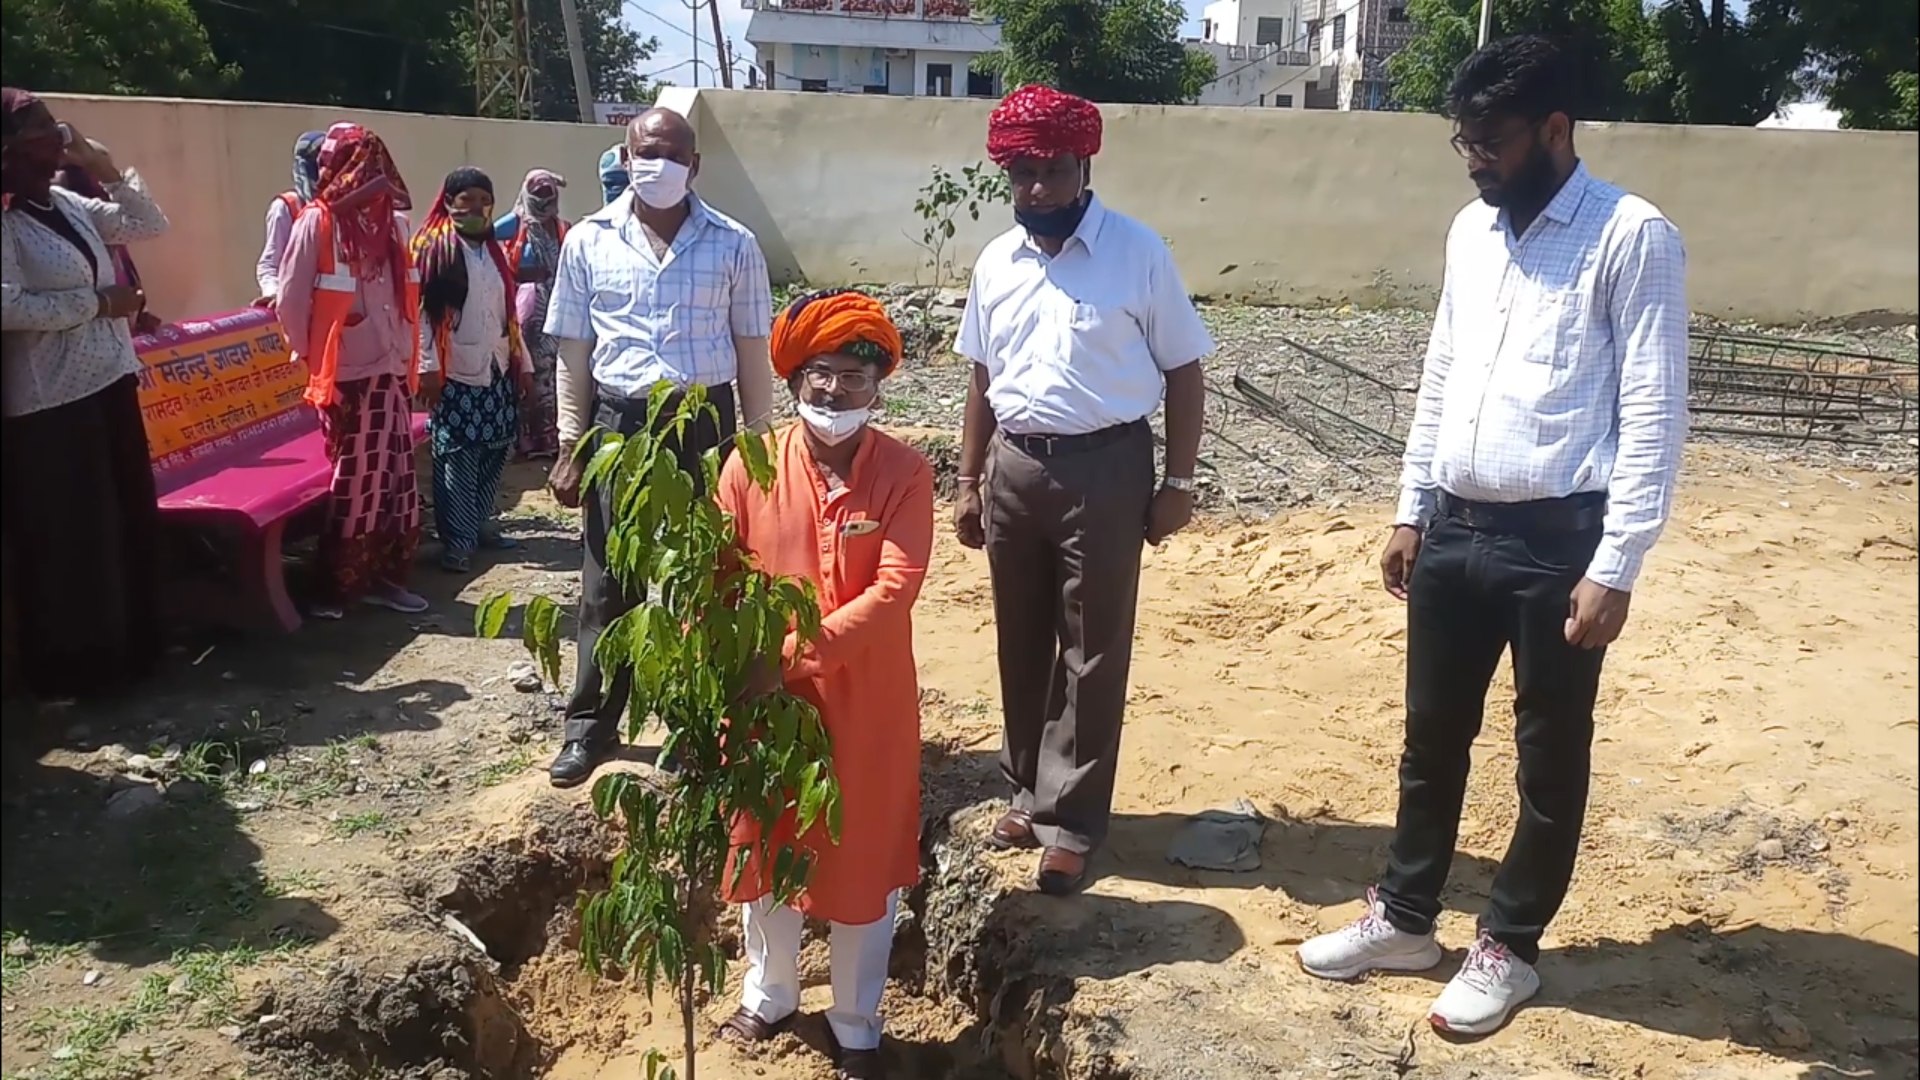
(1076, 324)
(655, 285)
(1539, 471)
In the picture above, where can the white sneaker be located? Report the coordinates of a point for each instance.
(1371, 944)
(1491, 984)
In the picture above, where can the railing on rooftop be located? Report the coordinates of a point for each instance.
(1274, 53)
(925, 9)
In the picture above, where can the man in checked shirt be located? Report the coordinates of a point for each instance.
(1538, 473)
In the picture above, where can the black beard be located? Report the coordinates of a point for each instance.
(1530, 186)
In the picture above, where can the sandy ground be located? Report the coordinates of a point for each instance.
(1744, 906)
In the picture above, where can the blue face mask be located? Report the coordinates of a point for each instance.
(613, 185)
(1055, 224)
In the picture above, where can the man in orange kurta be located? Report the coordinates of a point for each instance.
(851, 512)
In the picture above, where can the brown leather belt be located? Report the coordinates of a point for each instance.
(1573, 513)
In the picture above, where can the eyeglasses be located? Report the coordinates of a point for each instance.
(1486, 149)
(826, 379)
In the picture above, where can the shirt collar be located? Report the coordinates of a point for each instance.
(1088, 232)
(1565, 203)
(618, 212)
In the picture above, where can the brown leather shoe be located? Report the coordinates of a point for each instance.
(1014, 831)
(1062, 872)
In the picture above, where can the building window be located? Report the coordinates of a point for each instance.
(939, 80)
(1269, 31)
(1313, 34)
(1339, 32)
(769, 67)
(1397, 14)
(874, 88)
(813, 86)
(980, 84)
(1283, 101)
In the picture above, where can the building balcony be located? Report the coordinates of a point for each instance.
(919, 9)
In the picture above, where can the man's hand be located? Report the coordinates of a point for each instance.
(1170, 511)
(120, 302)
(523, 383)
(968, 522)
(431, 386)
(268, 302)
(1596, 614)
(564, 480)
(763, 678)
(1396, 563)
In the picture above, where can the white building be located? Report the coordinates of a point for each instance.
(1259, 76)
(898, 47)
(1257, 22)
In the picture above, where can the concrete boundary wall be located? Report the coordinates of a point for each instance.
(1272, 205)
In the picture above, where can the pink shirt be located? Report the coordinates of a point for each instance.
(378, 339)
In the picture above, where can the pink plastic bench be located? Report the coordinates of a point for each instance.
(237, 452)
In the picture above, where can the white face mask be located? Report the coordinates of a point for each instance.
(659, 182)
(833, 428)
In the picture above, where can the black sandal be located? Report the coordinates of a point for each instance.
(746, 1027)
(854, 1064)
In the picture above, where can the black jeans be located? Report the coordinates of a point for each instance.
(1474, 592)
(593, 713)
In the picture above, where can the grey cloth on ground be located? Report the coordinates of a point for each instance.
(1221, 839)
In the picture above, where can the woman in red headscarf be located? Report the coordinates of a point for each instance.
(851, 511)
(349, 303)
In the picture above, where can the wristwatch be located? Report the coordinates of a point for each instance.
(1178, 483)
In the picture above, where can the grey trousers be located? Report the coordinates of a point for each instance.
(1065, 521)
(593, 713)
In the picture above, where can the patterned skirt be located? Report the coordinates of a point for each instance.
(373, 516)
(475, 416)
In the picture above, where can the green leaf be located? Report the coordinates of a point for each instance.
(540, 632)
(490, 617)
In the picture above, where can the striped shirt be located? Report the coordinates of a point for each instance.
(652, 319)
(1558, 365)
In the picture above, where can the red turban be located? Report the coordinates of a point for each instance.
(830, 322)
(1041, 122)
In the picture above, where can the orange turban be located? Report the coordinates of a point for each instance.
(840, 320)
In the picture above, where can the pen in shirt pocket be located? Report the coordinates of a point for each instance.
(859, 527)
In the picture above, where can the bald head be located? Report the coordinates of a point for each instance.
(669, 133)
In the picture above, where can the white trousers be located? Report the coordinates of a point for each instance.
(858, 957)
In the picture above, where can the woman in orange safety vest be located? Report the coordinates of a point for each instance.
(349, 303)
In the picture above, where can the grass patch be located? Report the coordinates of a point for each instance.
(21, 956)
(197, 987)
(506, 769)
(366, 821)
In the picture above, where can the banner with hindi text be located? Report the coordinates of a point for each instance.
(207, 384)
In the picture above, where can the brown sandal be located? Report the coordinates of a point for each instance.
(746, 1026)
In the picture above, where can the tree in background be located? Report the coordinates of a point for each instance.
(1706, 64)
(109, 47)
(1691, 61)
(1606, 36)
(1119, 51)
(404, 55)
(614, 55)
(1862, 55)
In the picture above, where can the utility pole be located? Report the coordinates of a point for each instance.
(1486, 21)
(719, 46)
(502, 78)
(694, 10)
(577, 49)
